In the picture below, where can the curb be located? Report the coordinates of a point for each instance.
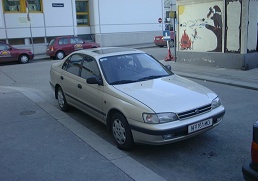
(241, 84)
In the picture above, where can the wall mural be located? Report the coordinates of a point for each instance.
(200, 27)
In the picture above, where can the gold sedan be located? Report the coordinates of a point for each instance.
(139, 99)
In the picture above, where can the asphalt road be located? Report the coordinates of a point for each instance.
(217, 154)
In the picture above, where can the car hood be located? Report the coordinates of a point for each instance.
(169, 94)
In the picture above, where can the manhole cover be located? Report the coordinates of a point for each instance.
(27, 112)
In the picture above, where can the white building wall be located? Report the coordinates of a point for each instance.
(17, 25)
(114, 22)
(54, 21)
(60, 20)
(117, 22)
(2, 27)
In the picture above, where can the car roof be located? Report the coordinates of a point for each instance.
(108, 51)
(68, 36)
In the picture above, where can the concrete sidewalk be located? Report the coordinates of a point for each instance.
(246, 79)
(40, 142)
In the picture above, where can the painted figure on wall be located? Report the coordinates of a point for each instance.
(202, 25)
(215, 15)
(185, 42)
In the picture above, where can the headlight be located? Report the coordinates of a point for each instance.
(215, 103)
(159, 118)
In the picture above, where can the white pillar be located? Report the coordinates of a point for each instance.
(244, 24)
(27, 41)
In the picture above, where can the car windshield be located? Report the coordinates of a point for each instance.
(122, 69)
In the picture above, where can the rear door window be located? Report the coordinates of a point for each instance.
(63, 41)
(76, 40)
(89, 68)
(73, 64)
(51, 42)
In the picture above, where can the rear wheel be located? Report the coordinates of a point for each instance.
(121, 132)
(23, 58)
(61, 100)
(60, 55)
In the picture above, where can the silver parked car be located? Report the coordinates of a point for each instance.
(136, 96)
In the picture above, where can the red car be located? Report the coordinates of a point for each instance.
(250, 169)
(9, 53)
(59, 47)
(158, 40)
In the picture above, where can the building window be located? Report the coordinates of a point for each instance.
(20, 6)
(82, 12)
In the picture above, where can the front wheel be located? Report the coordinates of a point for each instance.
(23, 58)
(60, 55)
(61, 100)
(121, 132)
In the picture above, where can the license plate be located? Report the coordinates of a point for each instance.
(200, 125)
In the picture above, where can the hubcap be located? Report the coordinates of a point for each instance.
(119, 131)
(60, 55)
(24, 59)
(60, 99)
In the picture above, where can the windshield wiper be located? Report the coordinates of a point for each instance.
(122, 82)
(151, 77)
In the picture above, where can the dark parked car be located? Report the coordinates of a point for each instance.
(9, 53)
(250, 169)
(160, 42)
(59, 47)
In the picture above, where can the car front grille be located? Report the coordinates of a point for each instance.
(194, 112)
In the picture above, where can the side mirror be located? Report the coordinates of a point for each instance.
(168, 67)
(94, 80)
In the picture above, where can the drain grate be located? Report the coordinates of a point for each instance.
(25, 113)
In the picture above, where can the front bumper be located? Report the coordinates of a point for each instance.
(31, 56)
(171, 132)
(248, 173)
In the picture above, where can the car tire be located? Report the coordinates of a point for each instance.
(60, 55)
(53, 57)
(161, 46)
(23, 59)
(121, 132)
(62, 100)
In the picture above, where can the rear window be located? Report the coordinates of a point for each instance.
(51, 42)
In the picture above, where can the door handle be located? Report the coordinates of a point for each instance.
(62, 78)
(79, 86)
